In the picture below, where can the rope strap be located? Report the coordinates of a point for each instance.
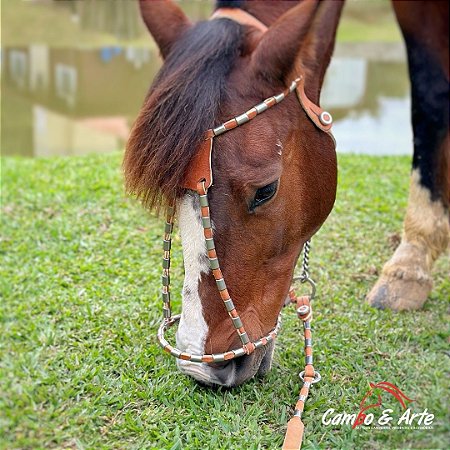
(295, 428)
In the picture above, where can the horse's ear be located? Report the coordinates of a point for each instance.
(301, 41)
(165, 21)
(318, 45)
(276, 52)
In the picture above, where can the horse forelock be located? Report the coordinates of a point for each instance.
(181, 105)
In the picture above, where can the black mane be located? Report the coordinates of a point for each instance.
(182, 104)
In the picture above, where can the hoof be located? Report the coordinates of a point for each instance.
(405, 282)
(399, 294)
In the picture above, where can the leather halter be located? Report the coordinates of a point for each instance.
(199, 178)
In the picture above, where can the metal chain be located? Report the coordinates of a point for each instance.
(304, 276)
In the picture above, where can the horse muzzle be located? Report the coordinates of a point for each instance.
(231, 373)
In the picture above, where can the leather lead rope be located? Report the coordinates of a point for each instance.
(295, 428)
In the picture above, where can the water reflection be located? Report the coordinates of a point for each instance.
(59, 101)
(369, 100)
(72, 101)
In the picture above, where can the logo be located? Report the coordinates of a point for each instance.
(372, 416)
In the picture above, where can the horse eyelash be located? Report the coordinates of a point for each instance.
(254, 204)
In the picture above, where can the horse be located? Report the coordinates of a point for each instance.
(263, 182)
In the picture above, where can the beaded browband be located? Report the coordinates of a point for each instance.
(200, 167)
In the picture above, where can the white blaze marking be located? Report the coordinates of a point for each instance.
(193, 329)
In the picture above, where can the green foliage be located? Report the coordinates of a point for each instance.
(80, 366)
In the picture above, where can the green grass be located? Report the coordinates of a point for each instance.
(24, 23)
(368, 21)
(80, 366)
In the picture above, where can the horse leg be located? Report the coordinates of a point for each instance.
(406, 280)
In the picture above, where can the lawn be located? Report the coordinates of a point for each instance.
(80, 365)
(51, 23)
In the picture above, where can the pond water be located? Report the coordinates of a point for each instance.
(71, 100)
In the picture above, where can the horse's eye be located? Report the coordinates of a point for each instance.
(263, 194)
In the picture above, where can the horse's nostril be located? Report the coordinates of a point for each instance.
(237, 371)
(219, 365)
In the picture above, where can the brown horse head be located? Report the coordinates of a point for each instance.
(274, 177)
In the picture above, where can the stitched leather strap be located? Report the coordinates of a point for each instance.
(321, 118)
(200, 166)
(294, 434)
